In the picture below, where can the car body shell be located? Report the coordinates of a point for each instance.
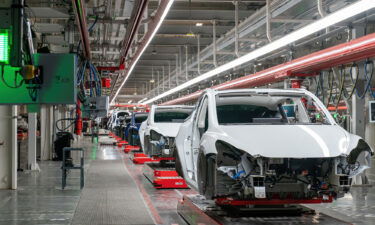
(168, 130)
(273, 141)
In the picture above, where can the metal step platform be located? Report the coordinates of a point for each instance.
(195, 209)
(163, 177)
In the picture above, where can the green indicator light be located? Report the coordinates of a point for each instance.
(4, 46)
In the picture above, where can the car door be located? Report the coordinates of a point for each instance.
(197, 132)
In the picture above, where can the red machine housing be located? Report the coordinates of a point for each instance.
(106, 82)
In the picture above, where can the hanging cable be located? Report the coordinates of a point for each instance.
(330, 80)
(354, 81)
(368, 79)
(93, 25)
(64, 129)
(342, 85)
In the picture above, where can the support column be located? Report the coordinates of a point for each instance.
(31, 153)
(8, 147)
(46, 132)
(358, 105)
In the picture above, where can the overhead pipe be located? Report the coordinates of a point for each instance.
(169, 75)
(186, 63)
(198, 54)
(153, 26)
(309, 65)
(176, 69)
(79, 10)
(236, 33)
(214, 42)
(268, 20)
(163, 77)
(129, 37)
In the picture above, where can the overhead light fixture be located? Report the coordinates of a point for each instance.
(199, 24)
(329, 20)
(152, 81)
(142, 100)
(130, 101)
(164, 14)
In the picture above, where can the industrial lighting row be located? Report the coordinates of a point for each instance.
(169, 5)
(327, 21)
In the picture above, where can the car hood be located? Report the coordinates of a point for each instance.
(287, 141)
(167, 129)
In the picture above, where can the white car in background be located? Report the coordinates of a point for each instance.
(116, 117)
(267, 144)
(157, 133)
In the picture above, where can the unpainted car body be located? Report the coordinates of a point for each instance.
(244, 144)
(157, 133)
(132, 128)
(116, 117)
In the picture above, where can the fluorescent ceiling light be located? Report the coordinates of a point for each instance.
(144, 99)
(167, 8)
(199, 24)
(329, 20)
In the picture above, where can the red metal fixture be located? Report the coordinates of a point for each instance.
(120, 143)
(129, 148)
(358, 49)
(296, 83)
(106, 82)
(140, 158)
(79, 122)
(111, 68)
(163, 177)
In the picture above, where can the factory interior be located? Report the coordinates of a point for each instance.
(187, 112)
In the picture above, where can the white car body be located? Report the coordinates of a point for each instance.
(114, 119)
(258, 147)
(165, 131)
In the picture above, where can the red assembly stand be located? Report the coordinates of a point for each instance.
(141, 158)
(163, 177)
(130, 148)
(121, 143)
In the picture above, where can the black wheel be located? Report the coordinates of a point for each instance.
(206, 175)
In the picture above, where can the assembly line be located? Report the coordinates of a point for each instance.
(198, 112)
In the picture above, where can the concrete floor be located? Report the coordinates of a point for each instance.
(116, 192)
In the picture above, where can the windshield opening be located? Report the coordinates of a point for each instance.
(171, 115)
(266, 109)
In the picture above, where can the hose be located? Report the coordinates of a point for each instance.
(354, 82)
(368, 80)
(60, 129)
(342, 85)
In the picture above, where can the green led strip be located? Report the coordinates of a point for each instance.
(4, 46)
